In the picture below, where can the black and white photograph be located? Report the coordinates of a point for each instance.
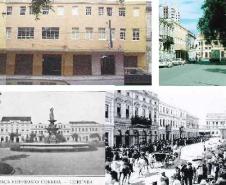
(52, 133)
(167, 136)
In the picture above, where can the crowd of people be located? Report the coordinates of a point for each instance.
(122, 162)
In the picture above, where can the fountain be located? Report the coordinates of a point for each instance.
(53, 143)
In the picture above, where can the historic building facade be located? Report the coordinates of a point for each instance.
(192, 126)
(21, 129)
(172, 122)
(15, 129)
(109, 119)
(204, 49)
(129, 105)
(100, 39)
(215, 123)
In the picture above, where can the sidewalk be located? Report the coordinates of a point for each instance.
(61, 80)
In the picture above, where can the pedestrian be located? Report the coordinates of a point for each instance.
(164, 179)
(190, 173)
(199, 172)
(184, 177)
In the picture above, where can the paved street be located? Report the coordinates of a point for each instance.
(201, 74)
(188, 153)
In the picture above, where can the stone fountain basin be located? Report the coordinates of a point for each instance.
(54, 147)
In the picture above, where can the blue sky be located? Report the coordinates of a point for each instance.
(190, 12)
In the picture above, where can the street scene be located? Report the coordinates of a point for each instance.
(192, 49)
(52, 133)
(154, 142)
(81, 42)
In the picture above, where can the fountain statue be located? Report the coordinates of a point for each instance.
(54, 141)
(52, 129)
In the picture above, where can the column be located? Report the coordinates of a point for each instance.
(10, 63)
(37, 64)
(67, 64)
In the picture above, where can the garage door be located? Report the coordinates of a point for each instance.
(82, 65)
(24, 64)
(2, 64)
(51, 65)
(130, 61)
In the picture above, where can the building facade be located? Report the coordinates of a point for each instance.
(172, 122)
(109, 119)
(137, 106)
(204, 49)
(175, 40)
(21, 129)
(99, 39)
(15, 129)
(192, 126)
(215, 122)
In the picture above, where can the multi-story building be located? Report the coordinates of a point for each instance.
(168, 12)
(175, 40)
(15, 129)
(149, 33)
(172, 122)
(204, 48)
(96, 39)
(192, 126)
(128, 105)
(166, 39)
(109, 119)
(216, 122)
(21, 129)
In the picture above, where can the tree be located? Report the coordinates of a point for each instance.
(213, 23)
(37, 6)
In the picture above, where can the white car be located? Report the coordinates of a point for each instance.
(178, 61)
(165, 63)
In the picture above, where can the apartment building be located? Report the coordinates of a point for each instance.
(75, 38)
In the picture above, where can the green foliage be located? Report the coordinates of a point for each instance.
(141, 121)
(37, 6)
(167, 43)
(213, 23)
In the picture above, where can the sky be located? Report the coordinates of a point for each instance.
(68, 106)
(198, 101)
(190, 12)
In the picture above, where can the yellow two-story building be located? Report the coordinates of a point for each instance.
(73, 38)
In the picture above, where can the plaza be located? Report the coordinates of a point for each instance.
(60, 163)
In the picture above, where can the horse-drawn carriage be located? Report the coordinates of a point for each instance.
(165, 159)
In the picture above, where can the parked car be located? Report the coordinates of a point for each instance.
(178, 61)
(136, 76)
(165, 63)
